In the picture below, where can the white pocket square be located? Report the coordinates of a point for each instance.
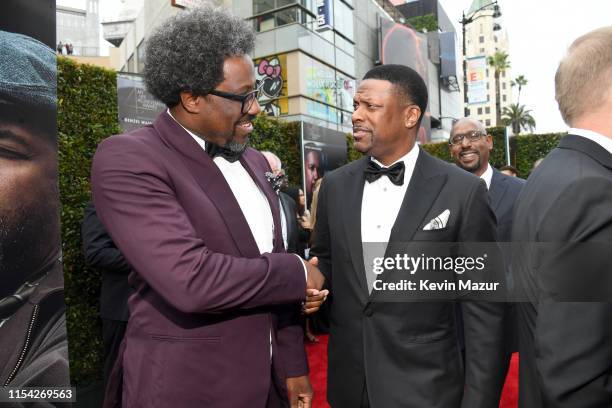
(439, 222)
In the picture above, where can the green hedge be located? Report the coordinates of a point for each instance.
(87, 113)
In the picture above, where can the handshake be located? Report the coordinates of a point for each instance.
(314, 282)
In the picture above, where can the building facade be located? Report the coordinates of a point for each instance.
(483, 41)
(79, 27)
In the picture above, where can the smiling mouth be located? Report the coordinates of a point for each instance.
(469, 155)
(245, 124)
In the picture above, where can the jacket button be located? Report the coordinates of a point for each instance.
(368, 312)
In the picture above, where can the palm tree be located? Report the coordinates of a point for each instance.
(499, 62)
(519, 117)
(519, 81)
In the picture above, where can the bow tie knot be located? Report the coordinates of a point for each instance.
(395, 173)
(215, 150)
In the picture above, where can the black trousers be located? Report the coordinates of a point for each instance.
(113, 332)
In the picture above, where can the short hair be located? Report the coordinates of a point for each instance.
(187, 52)
(407, 82)
(479, 125)
(509, 167)
(583, 79)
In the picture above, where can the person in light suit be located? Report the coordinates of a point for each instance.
(214, 320)
(401, 354)
(562, 234)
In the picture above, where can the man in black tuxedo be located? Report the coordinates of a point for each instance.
(401, 354)
(563, 231)
(102, 254)
(470, 146)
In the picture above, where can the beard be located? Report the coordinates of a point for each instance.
(29, 240)
(237, 147)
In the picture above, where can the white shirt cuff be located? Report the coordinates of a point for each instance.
(303, 266)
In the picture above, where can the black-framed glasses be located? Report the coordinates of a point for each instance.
(471, 136)
(246, 99)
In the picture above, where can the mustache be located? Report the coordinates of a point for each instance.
(361, 129)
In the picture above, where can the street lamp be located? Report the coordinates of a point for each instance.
(465, 20)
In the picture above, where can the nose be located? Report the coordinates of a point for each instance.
(255, 108)
(356, 116)
(466, 142)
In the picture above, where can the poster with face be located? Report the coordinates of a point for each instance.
(135, 105)
(323, 150)
(33, 341)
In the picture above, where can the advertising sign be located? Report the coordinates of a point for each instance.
(476, 79)
(136, 106)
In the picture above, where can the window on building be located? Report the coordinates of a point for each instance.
(487, 110)
(488, 122)
(487, 86)
(279, 18)
(495, 38)
(488, 98)
(480, 111)
(504, 98)
(468, 111)
(481, 39)
(260, 6)
(482, 50)
(131, 67)
(503, 74)
(140, 53)
(487, 72)
(503, 85)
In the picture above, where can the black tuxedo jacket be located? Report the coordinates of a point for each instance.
(504, 191)
(102, 254)
(406, 353)
(565, 347)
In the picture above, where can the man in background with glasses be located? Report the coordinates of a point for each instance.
(215, 320)
(471, 146)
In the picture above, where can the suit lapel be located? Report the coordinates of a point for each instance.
(587, 147)
(211, 181)
(425, 185)
(353, 194)
(497, 189)
(258, 174)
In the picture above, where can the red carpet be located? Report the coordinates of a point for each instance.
(317, 359)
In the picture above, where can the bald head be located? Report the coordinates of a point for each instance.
(468, 122)
(275, 163)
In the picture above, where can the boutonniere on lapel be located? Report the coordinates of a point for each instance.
(276, 180)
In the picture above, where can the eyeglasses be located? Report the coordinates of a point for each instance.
(246, 99)
(471, 136)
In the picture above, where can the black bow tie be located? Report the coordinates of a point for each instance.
(215, 150)
(395, 173)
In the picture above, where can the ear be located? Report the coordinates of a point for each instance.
(489, 140)
(411, 116)
(190, 102)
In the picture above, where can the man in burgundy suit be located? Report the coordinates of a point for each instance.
(214, 321)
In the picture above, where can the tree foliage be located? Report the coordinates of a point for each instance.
(500, 63)
(519, 117)
(425, 23)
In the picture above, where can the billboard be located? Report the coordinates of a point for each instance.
(476, 79)
(136, 106)
(448, 59)
(271, 77)
(323, 150)
(324, 15)
(404, 46)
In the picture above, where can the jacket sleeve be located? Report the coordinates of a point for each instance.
(321, 243)
(135, 200)
(483, 321)
(100, 250)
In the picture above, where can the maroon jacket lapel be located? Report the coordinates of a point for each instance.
(211, 181)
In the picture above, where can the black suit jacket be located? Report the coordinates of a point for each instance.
(102, 254)
(503, 191)
(406, 353)
(565, 347)
(293, 228)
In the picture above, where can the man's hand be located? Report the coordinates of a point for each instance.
(314, 300)
(299, 392)
(314, 278)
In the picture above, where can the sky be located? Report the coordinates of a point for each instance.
(539, 33)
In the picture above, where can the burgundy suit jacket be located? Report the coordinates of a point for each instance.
(206, 300)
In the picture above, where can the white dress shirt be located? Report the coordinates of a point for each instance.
(598, 138)
(487, 176)
(382, 200)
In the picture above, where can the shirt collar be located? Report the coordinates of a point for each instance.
(487, 175)
(198, 139)
(409, 158)
(598, 138)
